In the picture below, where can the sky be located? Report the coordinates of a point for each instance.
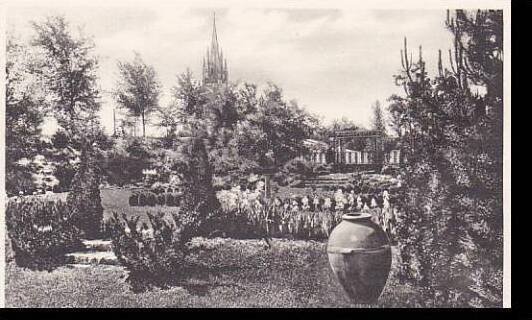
(335, 62)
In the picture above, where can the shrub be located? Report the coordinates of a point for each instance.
(154, 256)
(143, 199)
(84, 197)
(125, 161)
(134, 200)
(41, 231)
(170, 199)
(19, 179)
(161, 199)
(151, 199)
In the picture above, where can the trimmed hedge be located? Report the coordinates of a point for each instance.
(149, 198)
(41, 231)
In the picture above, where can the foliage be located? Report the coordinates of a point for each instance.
(154, 255)
(293, 171)
(69, 70)
(26, 106)
(19, 180)
(138, 89)
(124, 163)
(196, 175)
(41, 231)
(450, 232)
(84, 196)
(245, 129)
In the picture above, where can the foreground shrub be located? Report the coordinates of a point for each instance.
(152, 256)
(154, 253)
(41, 231)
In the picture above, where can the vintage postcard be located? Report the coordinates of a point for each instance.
(237, 154)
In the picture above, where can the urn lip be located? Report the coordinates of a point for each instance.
(356, 216)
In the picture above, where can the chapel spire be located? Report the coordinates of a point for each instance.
(215, 67)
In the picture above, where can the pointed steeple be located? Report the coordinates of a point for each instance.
(214, 40)
(216, 69)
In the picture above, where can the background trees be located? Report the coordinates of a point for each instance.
(25, 111)
(378, 122)
(451, 230)
(138, 89)
(243, 127)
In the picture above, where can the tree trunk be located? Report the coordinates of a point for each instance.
(143, 126)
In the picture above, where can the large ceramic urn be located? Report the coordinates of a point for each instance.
(360, 257)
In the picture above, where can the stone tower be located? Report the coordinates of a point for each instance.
(214, 64)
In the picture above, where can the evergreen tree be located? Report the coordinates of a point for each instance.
(450, 231)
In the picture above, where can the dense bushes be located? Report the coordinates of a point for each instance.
(41, 231)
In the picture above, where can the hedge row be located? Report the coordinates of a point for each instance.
(148, 198)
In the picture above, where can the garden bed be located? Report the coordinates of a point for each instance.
(229, 273)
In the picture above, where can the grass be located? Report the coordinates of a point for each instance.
(230, 273)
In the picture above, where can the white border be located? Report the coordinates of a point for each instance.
(343, 4)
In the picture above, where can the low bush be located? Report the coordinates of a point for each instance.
(151, 199)
(41, 231)
(142, 199)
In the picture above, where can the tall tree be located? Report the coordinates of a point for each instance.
(450, 231)
(69, 68)
(138, 89)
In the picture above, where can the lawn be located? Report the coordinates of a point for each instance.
(230, 273)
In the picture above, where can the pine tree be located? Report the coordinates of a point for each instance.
(450, 231)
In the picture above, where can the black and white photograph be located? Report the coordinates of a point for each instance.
(255, 154)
